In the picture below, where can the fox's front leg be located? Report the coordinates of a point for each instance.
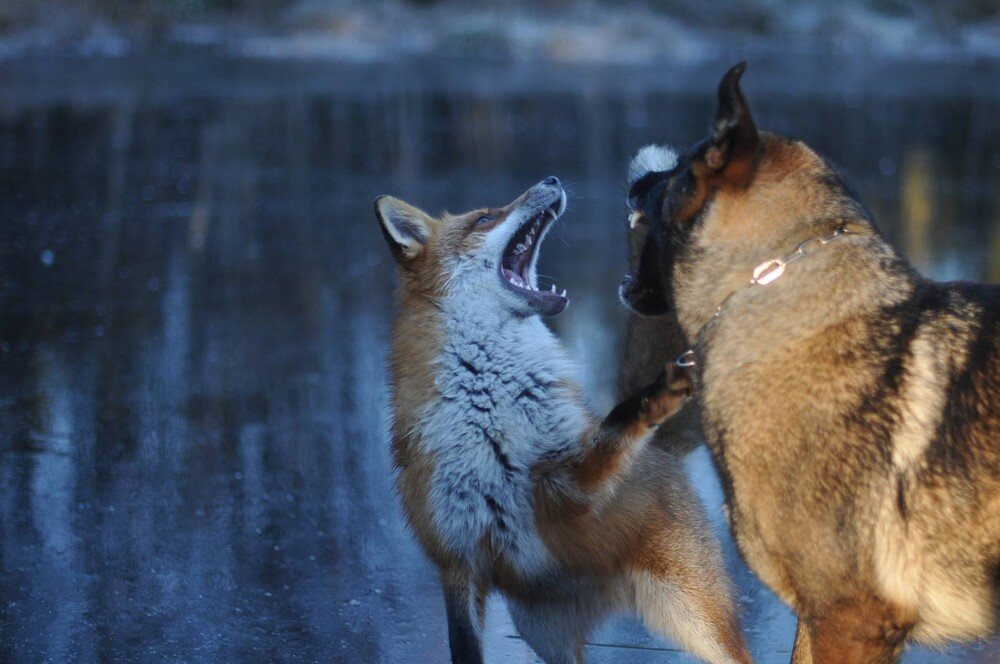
(658, 401)
(629, 424)
(465, 604)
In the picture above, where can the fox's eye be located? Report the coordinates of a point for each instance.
(485, 219)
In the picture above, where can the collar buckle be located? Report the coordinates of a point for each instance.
(768, 272)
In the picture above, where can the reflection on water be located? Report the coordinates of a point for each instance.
(193, 317)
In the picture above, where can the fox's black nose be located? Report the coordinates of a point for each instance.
(551, 181)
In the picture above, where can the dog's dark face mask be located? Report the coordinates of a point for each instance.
(647, 291)
(667, 195)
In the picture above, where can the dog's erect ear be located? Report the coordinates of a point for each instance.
(405, 227)
(732, 146)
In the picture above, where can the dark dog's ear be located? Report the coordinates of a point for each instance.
(405, 227)
(732, 147)
(649, 169)
(651, 159)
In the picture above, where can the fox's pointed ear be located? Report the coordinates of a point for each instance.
(732, 147)
(406, 228)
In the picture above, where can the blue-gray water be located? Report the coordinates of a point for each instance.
(195, 299)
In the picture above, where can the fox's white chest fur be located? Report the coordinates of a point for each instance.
(503, 406)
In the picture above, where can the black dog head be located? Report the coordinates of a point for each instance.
(667, 193)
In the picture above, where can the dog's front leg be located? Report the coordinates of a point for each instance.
(464, 604)
(802, 651)
(629, 424)
(862, 629)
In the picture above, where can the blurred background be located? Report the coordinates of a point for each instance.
(195, 298)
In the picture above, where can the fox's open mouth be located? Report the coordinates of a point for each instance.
(519, 257)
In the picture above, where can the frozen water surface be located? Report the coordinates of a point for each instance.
(195, 300)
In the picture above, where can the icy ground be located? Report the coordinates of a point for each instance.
(195, 303)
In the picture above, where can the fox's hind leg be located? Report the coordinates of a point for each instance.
(698, 616)
(556, 630)
(679, 576)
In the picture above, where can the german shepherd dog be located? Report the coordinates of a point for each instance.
(506, 477)
(851, 406)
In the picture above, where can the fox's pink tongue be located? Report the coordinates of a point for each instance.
(513, 278)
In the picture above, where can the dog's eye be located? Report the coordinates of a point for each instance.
(485, 219)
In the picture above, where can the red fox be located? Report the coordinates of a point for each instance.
(507, 479)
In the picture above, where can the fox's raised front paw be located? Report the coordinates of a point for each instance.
(665, 396)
